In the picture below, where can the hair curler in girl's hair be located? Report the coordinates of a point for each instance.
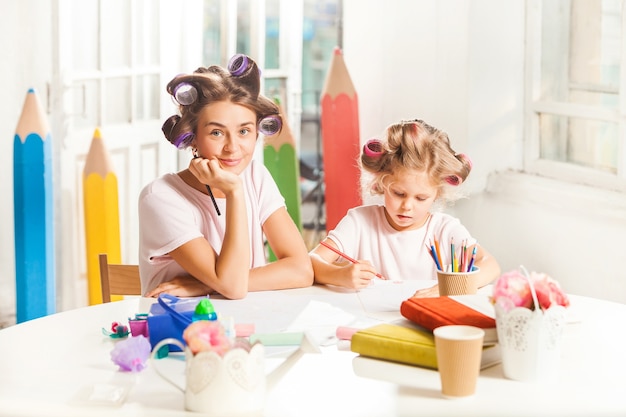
(373, 148)
(270, 125)
(454, 180)
(465, 158)
(183, 140)
(245, 69)
(185, 94)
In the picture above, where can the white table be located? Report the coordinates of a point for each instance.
(45, 364)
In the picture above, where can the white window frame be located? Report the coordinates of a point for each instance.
(533, 107)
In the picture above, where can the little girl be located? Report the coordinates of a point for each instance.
(413, 168)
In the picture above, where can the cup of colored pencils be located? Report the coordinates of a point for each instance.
(457, 277)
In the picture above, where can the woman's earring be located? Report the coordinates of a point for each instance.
(194, 152)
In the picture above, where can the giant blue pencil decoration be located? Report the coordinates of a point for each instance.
(33, 208)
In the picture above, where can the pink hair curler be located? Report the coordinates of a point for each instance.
(373, 148)
(466, 158)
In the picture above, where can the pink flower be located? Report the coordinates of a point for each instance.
(206, 336)
(512, 290)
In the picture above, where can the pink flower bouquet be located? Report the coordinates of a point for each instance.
(512, 290)
(210, 336)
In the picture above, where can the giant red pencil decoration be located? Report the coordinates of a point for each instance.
(35, 281)
(341, 142)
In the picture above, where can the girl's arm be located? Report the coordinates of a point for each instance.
(489, 267)
(329, 271)
(292, 269)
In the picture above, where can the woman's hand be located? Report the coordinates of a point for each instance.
(181, 286)
(209, 172)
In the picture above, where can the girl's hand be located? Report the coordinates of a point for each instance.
(181, 286)
(355, 275)
(427, 292)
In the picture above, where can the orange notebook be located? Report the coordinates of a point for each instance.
(434, 312)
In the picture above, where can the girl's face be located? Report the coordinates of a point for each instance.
(409, 195)
(227, 132)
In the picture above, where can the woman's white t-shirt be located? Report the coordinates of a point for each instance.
(172, 213)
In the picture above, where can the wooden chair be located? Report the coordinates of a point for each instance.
(118, 279)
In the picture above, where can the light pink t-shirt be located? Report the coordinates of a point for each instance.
(365, 234)
(172, 213)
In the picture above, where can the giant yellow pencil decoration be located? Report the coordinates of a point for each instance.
(102, 219)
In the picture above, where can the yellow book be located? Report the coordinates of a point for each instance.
(408, 345)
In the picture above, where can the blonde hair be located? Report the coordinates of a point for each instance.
(415, 145)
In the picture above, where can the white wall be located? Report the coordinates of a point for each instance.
(459, 65)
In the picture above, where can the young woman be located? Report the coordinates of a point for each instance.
(203, 229)
(413, 168)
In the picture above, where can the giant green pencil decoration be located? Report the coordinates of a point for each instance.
(279, 156)
(341, 142)
(33, 213)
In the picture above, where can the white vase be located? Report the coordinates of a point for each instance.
(530, 341)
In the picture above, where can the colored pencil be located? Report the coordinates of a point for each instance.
(453, 263)
(340, 140)
(472, 259)
(102, 218)
(433, 254)
(438, 250)
(33, 213)
(343, 255)
(279, 157)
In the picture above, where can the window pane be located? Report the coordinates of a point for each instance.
(117, 100)
(275, 88)
(319, 38)
(85, 112)
(146, 18)
(584, 142)
(84, 18)
(243, 27)
(272, 34)
(115, 38)
(212, 39)
(580, 51)
(147, 97)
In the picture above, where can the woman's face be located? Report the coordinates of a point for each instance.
(227, 132)
(409, 195)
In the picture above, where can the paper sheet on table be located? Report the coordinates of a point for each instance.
(320, 320)
(382, 299)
